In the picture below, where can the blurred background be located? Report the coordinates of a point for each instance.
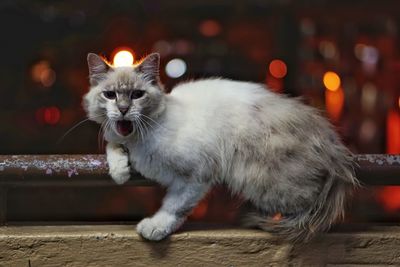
(340, 56)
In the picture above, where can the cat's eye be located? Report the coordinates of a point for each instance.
(137, 94)
(110, 94)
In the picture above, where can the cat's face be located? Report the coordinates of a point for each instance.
(123, 99)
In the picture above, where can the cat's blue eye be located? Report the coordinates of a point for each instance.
(137, 94)
(110, 94)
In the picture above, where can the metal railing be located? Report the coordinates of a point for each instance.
(91, 170)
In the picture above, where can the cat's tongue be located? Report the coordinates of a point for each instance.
(124, 127)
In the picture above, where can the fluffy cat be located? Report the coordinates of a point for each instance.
(276, 152)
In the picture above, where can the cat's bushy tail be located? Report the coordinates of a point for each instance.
(327, 209)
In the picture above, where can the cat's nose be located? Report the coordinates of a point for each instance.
(123, 110)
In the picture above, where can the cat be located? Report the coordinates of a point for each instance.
(273, 150)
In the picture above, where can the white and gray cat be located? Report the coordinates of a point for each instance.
(276, 152)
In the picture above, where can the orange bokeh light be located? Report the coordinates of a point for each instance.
(334, 102)
(123, 58)
(393, 132)
(278, 68)
(41, 72)
(331, 81)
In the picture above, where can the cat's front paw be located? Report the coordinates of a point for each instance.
(154, 229)
(120, 170)
(121, 176)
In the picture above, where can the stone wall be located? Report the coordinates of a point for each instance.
(119, 245)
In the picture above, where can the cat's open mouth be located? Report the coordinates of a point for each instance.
(124, 127)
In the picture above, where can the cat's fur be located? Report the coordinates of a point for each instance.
(273, 150)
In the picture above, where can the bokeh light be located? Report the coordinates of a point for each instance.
(163, 47)
(200, 211)
(123, 58)
(210, 28)
(390, 198)
(175, 68)
(327, 49)
(42, 73)
(369, 96)
(331, 81)
(393, 132)
(368, 130)
(278, 68)
(334, 102)
(48, 115)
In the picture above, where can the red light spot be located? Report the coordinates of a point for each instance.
(48, 115)
(274, 84)
(200, 211)
(210, 28)
(390, 198)
(393, 132)
(278, 68)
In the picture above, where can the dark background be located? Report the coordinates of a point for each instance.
(43, 72)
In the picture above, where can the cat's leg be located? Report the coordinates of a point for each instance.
(118, 162)
(180, 199)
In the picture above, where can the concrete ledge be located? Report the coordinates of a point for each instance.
(119, 245)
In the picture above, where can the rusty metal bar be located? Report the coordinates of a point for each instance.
(377, 169)
(65, 170)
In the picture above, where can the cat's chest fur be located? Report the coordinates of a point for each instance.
(146, 158)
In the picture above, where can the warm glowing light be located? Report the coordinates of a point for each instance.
(389, 196)
(327, 49)
(175, 68)
(331, 81)
(42, 73)
(210, 28)
(393, 132)
(368, 130)
(274, 84)
(123, 58)
(399, 102)
(48, 115)
(334, 102)
(369, 96)
(200, 211)
(278, 68)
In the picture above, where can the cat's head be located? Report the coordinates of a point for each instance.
(123, 98)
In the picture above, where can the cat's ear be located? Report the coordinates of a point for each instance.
(150, 67)
(98, 68)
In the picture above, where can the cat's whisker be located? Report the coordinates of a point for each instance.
(147, 128)
(144, 132)
(145, 121)
(108, 127)
(155, 122)
(100, 133)
(140, 128)
(100, 138)
(76, 126)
